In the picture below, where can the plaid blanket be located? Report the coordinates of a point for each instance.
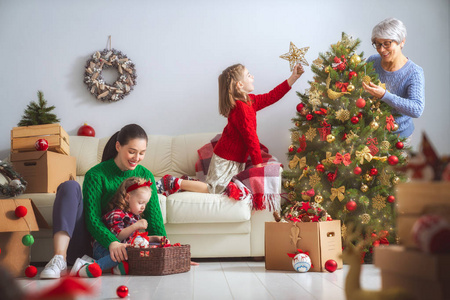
(262, 185)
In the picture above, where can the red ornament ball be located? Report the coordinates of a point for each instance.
(122, 291)
(291, 148)
(360, 103)
(373, 172)
(300, 106)
(331, 265)
(309, 117)
(351, 74)
(357, 170)
(30, 271)
(351, 205)
(21, 211)
(399, 145)
(432, 234)
(390, 199)
(86, 130)
(393, 160)
(41, 145)
(320, 168)
(354, 120)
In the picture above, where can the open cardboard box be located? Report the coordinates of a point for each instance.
(423, 275)
(415, 199)
(44, 170)
(321, 239)
(15, 256)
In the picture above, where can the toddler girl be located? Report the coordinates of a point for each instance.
(123, 219)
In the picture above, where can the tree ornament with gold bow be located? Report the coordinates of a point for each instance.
(338, 192)
(364, 154)
(301, 162)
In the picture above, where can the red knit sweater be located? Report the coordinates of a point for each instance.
(239, 138)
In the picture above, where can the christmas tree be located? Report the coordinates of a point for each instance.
(344, 147)
(38, 113)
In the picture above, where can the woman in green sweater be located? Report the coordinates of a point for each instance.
(77, 214)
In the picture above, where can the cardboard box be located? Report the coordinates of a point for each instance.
(24, 138)
(424, 275)
(415, 199)
(14, 255)
(44, 170)
(321, 239)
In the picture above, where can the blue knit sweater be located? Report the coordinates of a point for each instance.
(405, 92)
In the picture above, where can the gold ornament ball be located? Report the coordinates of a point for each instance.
(364, 188)
(350, 88)
(297, 123)
(292, 184)
(366, 79)
(395, 128)
(367, 177)
(292, 195)
(365, 218)
(374, 125)
(355, 59)
(395, 180)
(327, 69)
(318, 198)
(286, 184)
(330, 138)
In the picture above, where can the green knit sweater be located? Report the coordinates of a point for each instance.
(100, 184)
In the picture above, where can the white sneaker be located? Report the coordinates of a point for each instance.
(54, 268)
(87, 258)
(77, 265)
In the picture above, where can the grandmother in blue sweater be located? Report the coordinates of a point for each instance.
(405, 81)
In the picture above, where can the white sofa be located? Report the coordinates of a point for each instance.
(214, 225)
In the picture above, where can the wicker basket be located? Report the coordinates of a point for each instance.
(159, 261)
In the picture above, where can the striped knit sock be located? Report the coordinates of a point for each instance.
(168, 184)
(120, 269)
(90, 271)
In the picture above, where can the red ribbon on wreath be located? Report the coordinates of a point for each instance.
(390, 123)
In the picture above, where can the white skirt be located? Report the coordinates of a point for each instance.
(220, 173)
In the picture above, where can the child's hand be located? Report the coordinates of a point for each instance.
(296, 73)
(141, 224)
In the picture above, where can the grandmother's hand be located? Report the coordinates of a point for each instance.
(118, 251)
(375, 90)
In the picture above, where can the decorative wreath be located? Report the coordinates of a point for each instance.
(108, 59)
(16, 184)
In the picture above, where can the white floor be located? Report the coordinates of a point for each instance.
(225, 280)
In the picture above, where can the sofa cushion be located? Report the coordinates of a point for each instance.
(157, 157)
(85, 151)
(184, 152)
(188, 207)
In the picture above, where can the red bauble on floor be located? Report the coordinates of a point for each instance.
(30, 271)
(331, 265)
(122, 291)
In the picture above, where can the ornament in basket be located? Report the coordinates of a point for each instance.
(162, 259)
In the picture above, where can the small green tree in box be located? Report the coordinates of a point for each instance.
(38, 113)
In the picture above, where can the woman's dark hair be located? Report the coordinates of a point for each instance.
(127, 133)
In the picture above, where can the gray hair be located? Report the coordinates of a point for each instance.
(389, 28)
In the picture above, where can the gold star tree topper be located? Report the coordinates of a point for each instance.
(295, 56)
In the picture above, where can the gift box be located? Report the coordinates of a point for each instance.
(23, 138)
(415, 199)
(44, 171)
(14, 255)
(159, 261)
(321, 239)
(425, 276)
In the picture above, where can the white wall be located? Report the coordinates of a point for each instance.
(179, 49)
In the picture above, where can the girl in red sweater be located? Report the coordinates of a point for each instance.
(239, 138)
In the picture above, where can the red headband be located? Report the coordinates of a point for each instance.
(137, 185)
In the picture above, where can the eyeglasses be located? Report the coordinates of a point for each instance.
(385, 45)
